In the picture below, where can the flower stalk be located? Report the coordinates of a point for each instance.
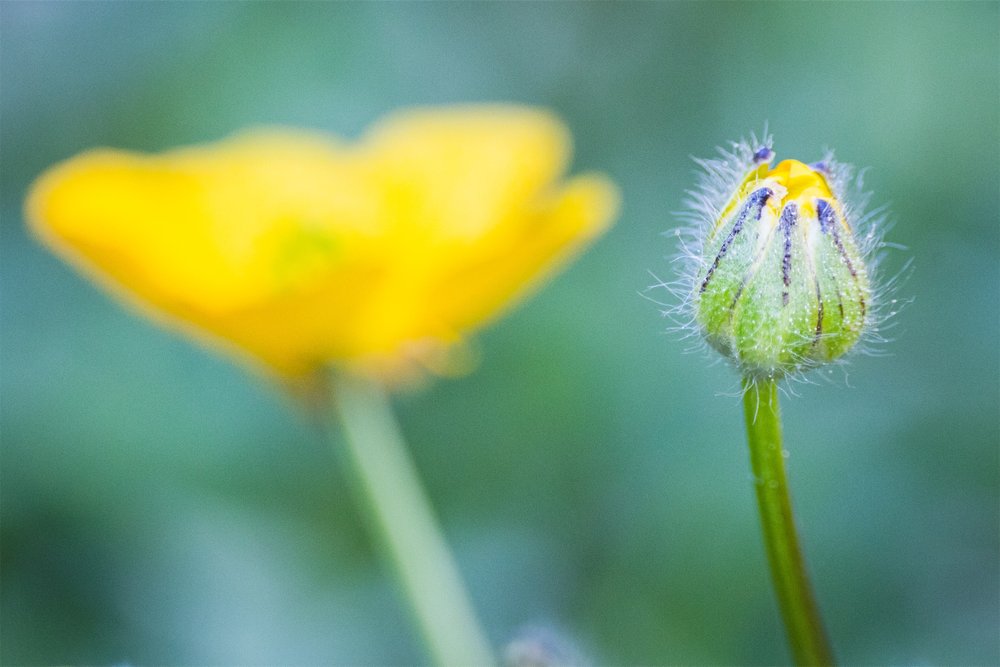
(401, 516)
(799, 611)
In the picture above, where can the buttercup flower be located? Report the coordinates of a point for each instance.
(303, 250)
(780, 284)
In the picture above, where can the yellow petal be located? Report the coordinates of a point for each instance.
(210, 229)
(561, 226)
(461, 172)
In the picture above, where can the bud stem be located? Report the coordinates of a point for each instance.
(803, 624)
(402, 517)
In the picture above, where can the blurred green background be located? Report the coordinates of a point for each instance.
(161, 506)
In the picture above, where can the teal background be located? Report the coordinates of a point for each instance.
(162, 506)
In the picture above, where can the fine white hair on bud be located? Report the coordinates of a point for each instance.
(779, 262)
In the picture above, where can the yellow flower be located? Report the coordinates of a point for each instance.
(303, 250)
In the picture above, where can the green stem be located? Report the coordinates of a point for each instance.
(791, 584)
(406, 525)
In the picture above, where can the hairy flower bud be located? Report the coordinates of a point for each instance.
(781, 283)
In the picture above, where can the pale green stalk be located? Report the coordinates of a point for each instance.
(803, 624)
(402, 516)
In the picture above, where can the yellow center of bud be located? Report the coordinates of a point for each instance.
(791, 181)
(801, 180)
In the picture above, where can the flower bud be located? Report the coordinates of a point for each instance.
(781, 284)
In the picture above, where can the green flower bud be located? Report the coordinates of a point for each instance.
(781, 283)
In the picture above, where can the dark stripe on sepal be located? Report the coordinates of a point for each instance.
(828, 225)
(819, 313)
(755, 202)
(789, 216)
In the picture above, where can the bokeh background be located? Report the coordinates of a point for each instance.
(162, 506)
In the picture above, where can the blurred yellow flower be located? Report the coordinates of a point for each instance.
(303, 250)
